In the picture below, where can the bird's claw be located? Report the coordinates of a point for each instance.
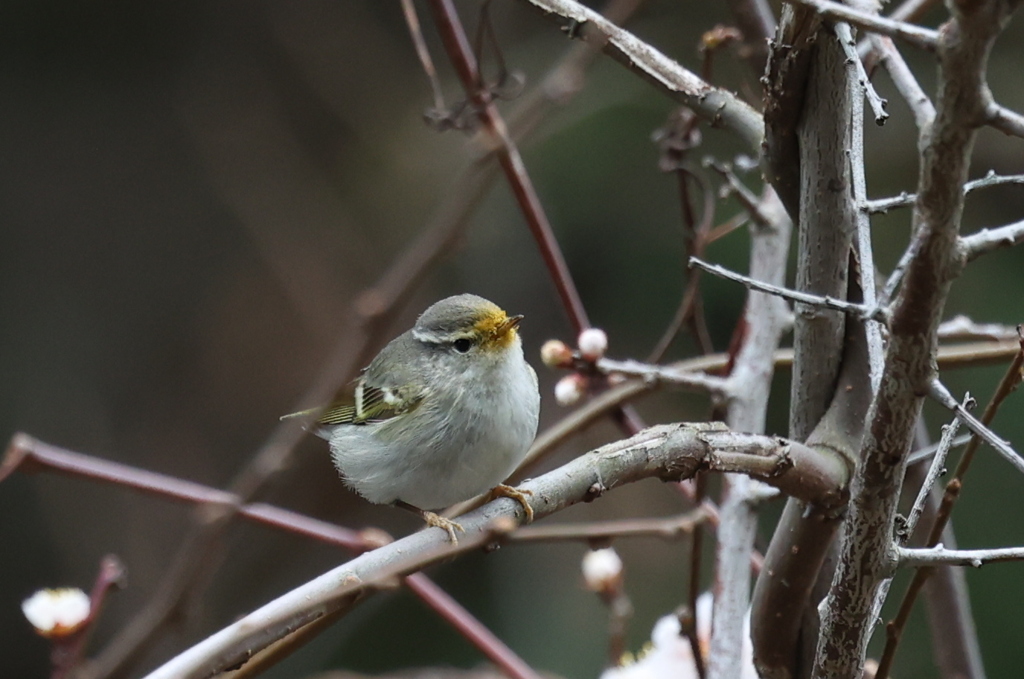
(436, 521)
(520, 496)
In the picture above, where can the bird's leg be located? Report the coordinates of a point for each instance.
(501, 490)
(434, 520)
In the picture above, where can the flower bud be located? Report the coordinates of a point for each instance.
(602, 570)
(593, 342)
(556, 354)
(57, 613)
(570, 389)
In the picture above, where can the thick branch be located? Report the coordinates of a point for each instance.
(668, 452)
(867, 549)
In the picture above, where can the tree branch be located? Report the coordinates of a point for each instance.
(922, 38)
(910, 557)
(939, 392)
(720, 107)
(765, 318)
(668, 452)
(987, 240)
(821, 301)
(866, 552)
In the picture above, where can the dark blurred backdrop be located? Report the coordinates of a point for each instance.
(191, 193)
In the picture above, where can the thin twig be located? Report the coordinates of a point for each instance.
(848, 45)
(963, 328)
(859, 310)
(922, 38)
(750, 202)
(496, 650)
(935, 470)
(906, 84)
(416, 33)
(66, 654)
(954, 639)
(864, 262)
(907, 199)
(928, 451)
(693, 590)
(939, 393)
(665, 374)
(462, 57)
(909, 10)
(895, 279)
(910, 557)
(670, 528)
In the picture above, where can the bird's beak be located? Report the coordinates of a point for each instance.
(508, 324)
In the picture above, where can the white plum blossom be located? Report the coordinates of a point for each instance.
(670, 654)
(593, 342)
(556, 354)
(602, 569)
(57, 612)
(570, 388)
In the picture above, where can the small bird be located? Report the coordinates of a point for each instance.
(446, 411)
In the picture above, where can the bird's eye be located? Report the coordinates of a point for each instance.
(462, 345)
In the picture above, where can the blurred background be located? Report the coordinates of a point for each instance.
(192, 195)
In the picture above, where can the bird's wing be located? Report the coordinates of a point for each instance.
(388, 387)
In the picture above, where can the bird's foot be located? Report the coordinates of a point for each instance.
(448, 525)
(433, 520)
(501, 490)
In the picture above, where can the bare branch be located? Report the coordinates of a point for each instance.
(511, 161)
(670, 528)
(668, 452)
(987, 240)
(765, 319)
(910, 557)
(825, 302)
(654, 375)
(939, 531)
(720, 107)
(928, 451)
(866, 550)
(922, 38)
(907, 199)
(935, 470)
(847, 43)
(961, 327)
(939, 392)
(906, 84)
(1005, 120)
(908, 10)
